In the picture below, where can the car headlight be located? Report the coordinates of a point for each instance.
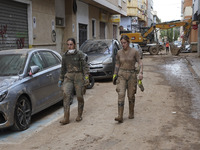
(3, 95)
(107, 61)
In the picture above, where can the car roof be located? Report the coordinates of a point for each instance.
(21, 51)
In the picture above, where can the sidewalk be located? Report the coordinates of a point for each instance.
(194, 60)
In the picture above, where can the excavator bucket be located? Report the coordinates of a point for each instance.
(175, 50)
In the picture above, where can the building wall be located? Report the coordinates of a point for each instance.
(94, 15)
(42, 28)
(118, 2)
(187, 14)
(136, 15)
(137, 8)
(70, 29)
(44, 14)
(149, 12)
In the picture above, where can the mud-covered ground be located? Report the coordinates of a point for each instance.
(167, 115)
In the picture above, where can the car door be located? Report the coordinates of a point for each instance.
(53, 67)
(39, 85)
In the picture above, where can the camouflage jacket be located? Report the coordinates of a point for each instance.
(72, 63)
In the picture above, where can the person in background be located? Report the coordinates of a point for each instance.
(125, 77)
(74, 75)
(167, 47)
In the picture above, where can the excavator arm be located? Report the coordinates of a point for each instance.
(169, 25)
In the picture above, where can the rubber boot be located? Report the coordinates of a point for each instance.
(66, 117)
(131, 109)
(120, 112)
(80, 111)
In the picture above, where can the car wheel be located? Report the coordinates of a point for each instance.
(91, 79)
(22, 116)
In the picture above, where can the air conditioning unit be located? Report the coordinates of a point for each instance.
(59, 21)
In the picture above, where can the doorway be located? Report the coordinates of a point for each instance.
(82, 33)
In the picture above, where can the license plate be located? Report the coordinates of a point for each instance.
(93, 70)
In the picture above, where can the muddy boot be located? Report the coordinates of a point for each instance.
(120, 112)
(80, 111)
(131, 109)
(66, 117)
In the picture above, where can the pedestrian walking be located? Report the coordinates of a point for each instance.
(125, 76)
(167, 47)
(74, 75)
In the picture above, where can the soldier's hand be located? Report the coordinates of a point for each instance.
(140, 76)
(59, 83)
(87, 81)
(114, 79)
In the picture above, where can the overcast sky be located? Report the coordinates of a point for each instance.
(168, 10)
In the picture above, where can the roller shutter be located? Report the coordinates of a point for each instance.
(13, 25)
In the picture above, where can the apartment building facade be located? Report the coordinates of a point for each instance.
(49, 23)
(196, 17)
(150, 13)
(187, 9)
(136, 15)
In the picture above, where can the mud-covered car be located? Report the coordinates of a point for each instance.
(101, 56)
(138, 48)
(28, 84)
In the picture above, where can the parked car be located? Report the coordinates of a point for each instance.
(187, 48)
(28, 84)
(101, 56)
(177, 43)
(138, 48)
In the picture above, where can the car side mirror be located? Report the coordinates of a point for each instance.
(33, 70)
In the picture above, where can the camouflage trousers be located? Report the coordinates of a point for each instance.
(73, 81)
(126, 81)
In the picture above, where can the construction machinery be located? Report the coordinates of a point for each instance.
(145, 39)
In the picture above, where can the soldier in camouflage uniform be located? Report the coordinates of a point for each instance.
(126, 77)
(74, 74)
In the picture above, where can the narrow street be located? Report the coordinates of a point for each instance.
(167, 114)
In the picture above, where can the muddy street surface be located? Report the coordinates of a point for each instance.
(167, 115)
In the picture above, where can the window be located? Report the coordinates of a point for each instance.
(50, 59)
(36, 60)
(93, 28)
(11, 64)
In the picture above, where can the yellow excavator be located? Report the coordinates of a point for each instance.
(144, 40)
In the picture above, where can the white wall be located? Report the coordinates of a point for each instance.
(126, 21)
(82, 17)
(188, 11)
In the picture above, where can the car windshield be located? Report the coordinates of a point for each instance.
(97, 47)
(11, 64)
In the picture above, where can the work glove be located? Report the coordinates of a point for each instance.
(114, 79)
(86, 80)
(60, 83)
(140, 85)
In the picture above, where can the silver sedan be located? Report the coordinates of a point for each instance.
(28, 84)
